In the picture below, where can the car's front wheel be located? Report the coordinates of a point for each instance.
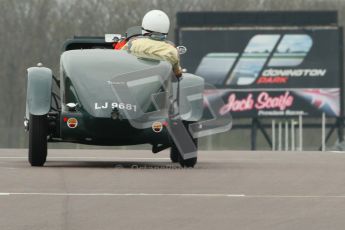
(38, 131)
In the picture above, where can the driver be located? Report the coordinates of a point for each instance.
(153, 43)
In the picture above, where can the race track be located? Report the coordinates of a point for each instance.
(118, 189)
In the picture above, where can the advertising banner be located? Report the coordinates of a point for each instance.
(268, 71)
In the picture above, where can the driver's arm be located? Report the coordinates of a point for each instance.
(177, 69)
(158, 49)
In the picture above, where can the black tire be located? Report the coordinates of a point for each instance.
(191, 162)
(174, 154)
(38, 130)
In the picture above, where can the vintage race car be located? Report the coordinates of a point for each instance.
(113, 98)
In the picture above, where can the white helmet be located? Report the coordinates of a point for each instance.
(156, 21)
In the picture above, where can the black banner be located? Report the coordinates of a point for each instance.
(268, 71)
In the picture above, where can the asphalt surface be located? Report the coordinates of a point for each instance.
(115, 189)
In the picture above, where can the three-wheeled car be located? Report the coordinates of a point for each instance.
(113, 98)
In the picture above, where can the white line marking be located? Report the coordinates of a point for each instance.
(123, 194)
(141, 158)
(215, 195)
(4, 194)
(112, 158)
(337, 151)
(12, 157)
(296, 196)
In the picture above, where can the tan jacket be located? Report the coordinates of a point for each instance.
(154, 49)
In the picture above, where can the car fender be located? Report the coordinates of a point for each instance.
(191, 97)
(39, 86)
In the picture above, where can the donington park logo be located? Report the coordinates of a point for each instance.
(266, 54)
(265, 60)
(272, 50)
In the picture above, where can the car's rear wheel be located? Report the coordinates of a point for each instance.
(176, 156)
(174, 153)
(38, 131)
(191, 162)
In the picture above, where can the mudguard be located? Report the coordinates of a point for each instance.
(38, 94)
(191, 97)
